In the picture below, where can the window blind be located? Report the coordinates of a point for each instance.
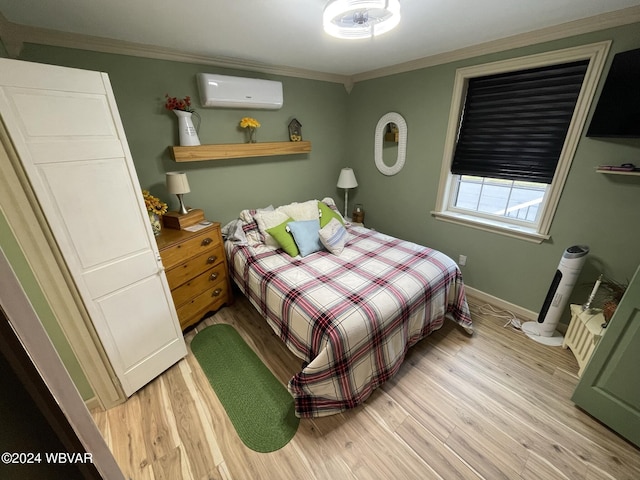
(514, 124)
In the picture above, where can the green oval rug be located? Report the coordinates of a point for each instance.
(258, 405)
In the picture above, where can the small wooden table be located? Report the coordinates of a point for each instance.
(583, 334)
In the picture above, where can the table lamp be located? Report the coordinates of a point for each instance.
(178, 184)
(347, 180)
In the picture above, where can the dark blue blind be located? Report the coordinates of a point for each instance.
(514, 124)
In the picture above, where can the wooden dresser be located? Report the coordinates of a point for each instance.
(196, 269)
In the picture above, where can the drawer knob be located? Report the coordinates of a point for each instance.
(206, 241)
(216, 292)
(211, 259)
(213, 276)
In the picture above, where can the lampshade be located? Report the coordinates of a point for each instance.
(347, 179)
(353, 19)
(177, 183)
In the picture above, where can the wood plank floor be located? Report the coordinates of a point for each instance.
(492, 406)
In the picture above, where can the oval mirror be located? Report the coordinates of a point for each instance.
(396, 120)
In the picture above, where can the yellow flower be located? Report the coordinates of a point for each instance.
(248, 122)
(154, 204)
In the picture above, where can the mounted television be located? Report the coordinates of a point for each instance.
(618, 111)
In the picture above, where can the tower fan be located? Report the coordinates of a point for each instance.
(544, 330)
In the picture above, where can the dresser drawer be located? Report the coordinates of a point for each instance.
(196, 285)
(194, 267)
(196, 270)
(202, 243)
(211, 299)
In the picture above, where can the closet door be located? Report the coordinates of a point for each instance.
(609, 388)
(66, 129)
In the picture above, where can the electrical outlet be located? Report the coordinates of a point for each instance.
(462, 260)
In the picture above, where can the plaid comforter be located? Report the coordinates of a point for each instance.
(352, 317)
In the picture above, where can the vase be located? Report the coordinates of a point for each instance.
(188, 133)
(156, 224)
(251, 135)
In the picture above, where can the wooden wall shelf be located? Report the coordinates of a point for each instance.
(237, 150)
(618, 172)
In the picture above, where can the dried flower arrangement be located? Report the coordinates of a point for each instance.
(173, 103)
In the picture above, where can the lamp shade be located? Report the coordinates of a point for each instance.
(177, 183)
(347, 179)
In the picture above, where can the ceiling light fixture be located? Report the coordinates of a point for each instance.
(353, 19)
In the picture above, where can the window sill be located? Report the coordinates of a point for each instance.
(514, 231)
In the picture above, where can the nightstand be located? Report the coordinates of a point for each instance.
(583, 334)
(196, 269)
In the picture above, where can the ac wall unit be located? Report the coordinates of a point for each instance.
(239, 92)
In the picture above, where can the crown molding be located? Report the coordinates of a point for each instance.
(564, 30)
(14, 36)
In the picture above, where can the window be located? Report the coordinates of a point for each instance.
(513, 130)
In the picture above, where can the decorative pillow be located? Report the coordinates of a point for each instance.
(305, 233)
(267, 220)
(334, 236)
(282, 233)
(327, 213)
(301, 211)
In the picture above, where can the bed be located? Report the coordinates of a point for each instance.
(351, 310)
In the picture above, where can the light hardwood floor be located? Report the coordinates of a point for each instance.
(492, 406)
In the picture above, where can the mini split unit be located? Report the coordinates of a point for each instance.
(239, 92)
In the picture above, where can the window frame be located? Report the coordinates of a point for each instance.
(596, 53)
(455, 185)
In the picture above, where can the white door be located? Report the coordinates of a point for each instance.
(66, 129)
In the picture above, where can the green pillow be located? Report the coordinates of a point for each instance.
(282, 234)
(327, 213)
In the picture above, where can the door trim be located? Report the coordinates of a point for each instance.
(63, 408)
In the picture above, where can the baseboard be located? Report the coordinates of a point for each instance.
(93, 403)
(520, 312)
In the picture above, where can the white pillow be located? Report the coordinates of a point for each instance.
(334, 236)
(301, 211)
(266, 220)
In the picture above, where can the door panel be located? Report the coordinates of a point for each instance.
(99, 190)
(133, 313)
(119, 273)
(67, 131)
(609, 388)
(78, 115)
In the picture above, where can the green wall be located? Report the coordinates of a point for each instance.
(598, 210)
(221, 187)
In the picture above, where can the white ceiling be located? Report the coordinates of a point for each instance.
(288, 33)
